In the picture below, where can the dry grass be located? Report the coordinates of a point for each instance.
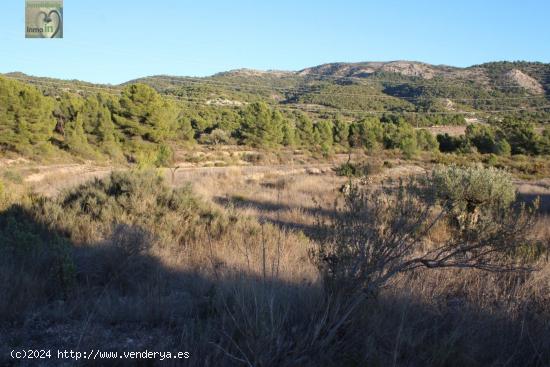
(289, 198)
(244, 290)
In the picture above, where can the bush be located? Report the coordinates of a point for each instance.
(491, 160)
(473, 191)
(145, 158)
(408, 147)
(262, 126)
(165, 156)
(482, 137)
(502, 147)
(426, 141)
(381, 232)
(143, 112)
(348, 169)
(89, 212)
(488, 140)
(521, 136)
(341, 131)
(217, 136)
(449, 144)
(26, 119)
(367, 133)
(326, 150)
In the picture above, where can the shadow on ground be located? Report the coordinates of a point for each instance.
(544, 201)
(116, 296)
(271, 212)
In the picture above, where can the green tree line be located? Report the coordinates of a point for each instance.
(509, 136)
(140, 125)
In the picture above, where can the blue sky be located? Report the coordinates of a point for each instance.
(113, 41)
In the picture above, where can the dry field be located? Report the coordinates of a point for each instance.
(252, 296)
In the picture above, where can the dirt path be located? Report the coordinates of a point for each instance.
(50, 180)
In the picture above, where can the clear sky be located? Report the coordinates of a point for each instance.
(113, 41)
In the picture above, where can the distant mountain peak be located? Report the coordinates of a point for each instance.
(364, 69)
(254, 72)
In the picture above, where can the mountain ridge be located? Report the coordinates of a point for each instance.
(360, 69)
(394, 86)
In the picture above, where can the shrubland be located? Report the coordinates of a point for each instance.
(447, 268)
(444, 268)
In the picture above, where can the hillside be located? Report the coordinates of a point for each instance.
(289, 218)
(324, 109)
(377, 87)
(519, 88)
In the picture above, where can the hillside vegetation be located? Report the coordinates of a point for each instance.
(326, 109)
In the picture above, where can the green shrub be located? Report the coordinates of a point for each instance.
(165, 156)
(473, 191)
(341, 131)
(491, 160)
(400, 135)
(367, 133)
(216, 137)
(145, 159)
(326, 150)
(521, 136)
(262, 126)
(502, 147)
(89, 213)
(408, 147)
(449, 144)
(347, 169)
(25, 117)
(482, 137)
(145, 113)
(323, 134)
(426, 141)
(372, 167)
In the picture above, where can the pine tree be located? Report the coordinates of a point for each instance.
(289, 134)
(143, 112)
(99, 127)
(367, 133)
(26, 119)
(323, 133)
(261, 126)
(305, 130)
(341, 131)
(185, 129)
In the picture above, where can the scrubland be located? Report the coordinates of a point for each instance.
(290, 265)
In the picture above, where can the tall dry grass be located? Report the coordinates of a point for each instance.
(127, 263)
